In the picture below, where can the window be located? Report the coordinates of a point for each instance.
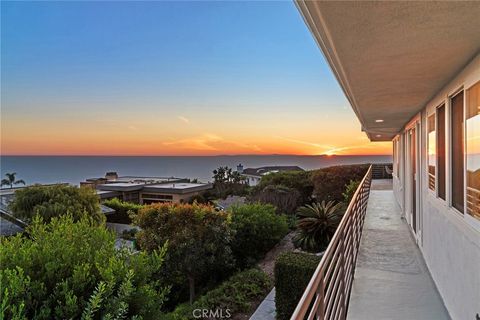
(472, 128)
(441, 151)
(156, 196)
(431, 152)
(457, 152)
(396, 156)
(131, 197)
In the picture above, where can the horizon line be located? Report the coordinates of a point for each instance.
(215, 155)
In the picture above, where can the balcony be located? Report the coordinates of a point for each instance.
(372, 268)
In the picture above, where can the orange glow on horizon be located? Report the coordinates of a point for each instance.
(185, 136)
(184, 148)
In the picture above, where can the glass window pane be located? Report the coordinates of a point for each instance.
(431, 151)
(441, 151)
(472, 127)
(457, 152)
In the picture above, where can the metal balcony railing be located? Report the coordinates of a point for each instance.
(327, 295)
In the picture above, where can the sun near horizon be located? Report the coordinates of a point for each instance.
(165, 78)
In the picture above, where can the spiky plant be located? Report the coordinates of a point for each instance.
(316, 225)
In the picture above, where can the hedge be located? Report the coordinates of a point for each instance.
(123, 210)
(293, 272)
(330, 183)
(237, 294)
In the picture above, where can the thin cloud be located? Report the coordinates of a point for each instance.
(210, 142)
(183, 119)
(308, 143)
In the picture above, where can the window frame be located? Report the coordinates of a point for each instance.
(472, 221)
(450, 151)
(443, 105)
(435, 188)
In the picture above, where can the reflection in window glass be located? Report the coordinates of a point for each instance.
(473, 151)
(441, 153)
(457, 152)
(431, 152)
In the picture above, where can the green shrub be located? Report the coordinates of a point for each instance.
(69, 270)
(329, 183)
(350, 189)
(198, 239)
(293, 272)
(257, 229)
(237, 294)
(124, 211)
(54, 201)
(298, 180)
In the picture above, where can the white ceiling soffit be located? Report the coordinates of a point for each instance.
(391, 57)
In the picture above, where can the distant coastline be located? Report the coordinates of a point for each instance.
(73, 169)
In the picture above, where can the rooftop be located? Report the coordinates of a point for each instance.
(269, 169)
(7, 228)
(181, 187)
(121, 186)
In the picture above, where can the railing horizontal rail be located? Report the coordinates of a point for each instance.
(328, 292)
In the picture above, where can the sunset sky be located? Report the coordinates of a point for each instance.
(165, 78)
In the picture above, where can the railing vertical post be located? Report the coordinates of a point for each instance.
(321, 295)
(342, 275)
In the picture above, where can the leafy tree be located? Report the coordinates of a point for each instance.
(54, 201)
(72, 270)
(198, 238)
(227, 181)
(317, 224)
(11, 180)
(226, 175)
(284, 199)
(124, 211)
(257, 229)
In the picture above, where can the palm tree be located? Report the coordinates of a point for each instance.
(11, 180)
(317, 224)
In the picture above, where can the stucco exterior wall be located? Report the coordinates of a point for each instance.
(450, 243)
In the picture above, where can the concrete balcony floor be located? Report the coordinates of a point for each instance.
(391, 278)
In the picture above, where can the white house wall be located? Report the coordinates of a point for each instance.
(449, 242)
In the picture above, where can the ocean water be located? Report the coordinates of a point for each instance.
(73, 169)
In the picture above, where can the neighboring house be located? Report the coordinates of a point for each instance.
(145, 190)
(9, 225)
(143, 193)
(8, 228)
(113, 177)
(254, 175)
(411, 71)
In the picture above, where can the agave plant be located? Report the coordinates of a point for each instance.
(317, 224)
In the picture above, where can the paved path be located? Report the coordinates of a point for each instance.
(391, 279)
(266, 310)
